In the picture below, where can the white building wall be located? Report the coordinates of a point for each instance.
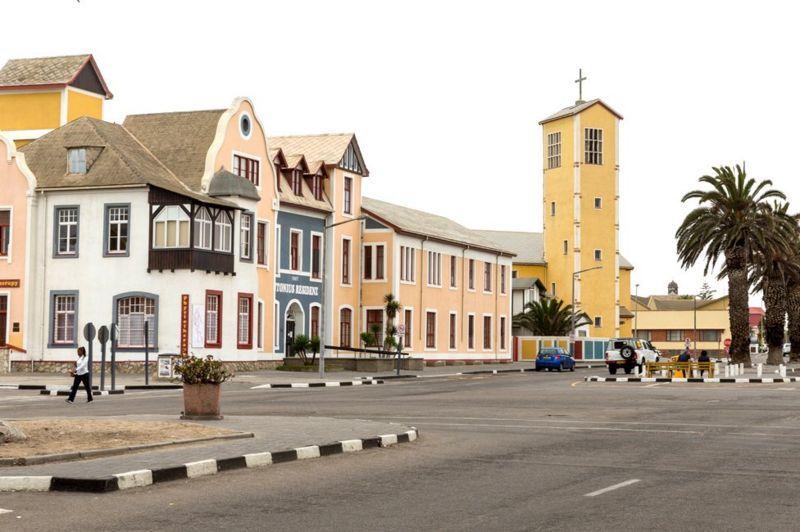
(98, 279)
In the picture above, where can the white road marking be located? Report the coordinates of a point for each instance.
(612, 488)
(610, 429)
(4, 511)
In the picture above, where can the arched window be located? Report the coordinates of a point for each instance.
(132, 312)
(345, 327)
(202, 229)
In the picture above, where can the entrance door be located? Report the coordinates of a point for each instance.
(3, 319)
(289, 336)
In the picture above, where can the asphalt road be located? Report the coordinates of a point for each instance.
(512, 452)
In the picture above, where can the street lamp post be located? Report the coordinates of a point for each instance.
(322, 298)
(572, 333)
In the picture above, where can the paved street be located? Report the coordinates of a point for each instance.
(510, 452)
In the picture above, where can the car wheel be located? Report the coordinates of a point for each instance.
(628, 370)
(572, 368)
(560, 368)
(612, 370)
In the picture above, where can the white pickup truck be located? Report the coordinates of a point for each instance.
(627, 353)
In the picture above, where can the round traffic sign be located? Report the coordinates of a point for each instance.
(102, 334)
(89, 332)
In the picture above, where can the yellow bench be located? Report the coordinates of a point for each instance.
(686, 369)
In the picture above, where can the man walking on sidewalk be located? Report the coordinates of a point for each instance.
(81, 375)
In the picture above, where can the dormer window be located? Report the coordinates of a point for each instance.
(317, 187)
(76, 159)
(297, 182)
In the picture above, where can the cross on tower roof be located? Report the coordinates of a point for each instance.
(579, 81)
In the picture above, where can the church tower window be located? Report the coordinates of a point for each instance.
(593, 145)
(553, 150)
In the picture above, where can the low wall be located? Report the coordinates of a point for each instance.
(367, 365)
(128, 367)
(5, 360)
(467, 362)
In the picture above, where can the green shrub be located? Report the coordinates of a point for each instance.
(195, 370)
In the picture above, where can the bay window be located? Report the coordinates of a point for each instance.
(171, 228)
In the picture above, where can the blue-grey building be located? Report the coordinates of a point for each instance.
(300, 231)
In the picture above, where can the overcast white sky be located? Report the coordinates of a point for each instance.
(445, 96)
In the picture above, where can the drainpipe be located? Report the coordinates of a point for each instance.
(496, 323)
(464, 267)
(421, 308)
(44, 296)
(361, 226)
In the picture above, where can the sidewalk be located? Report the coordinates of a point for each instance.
(271, 434)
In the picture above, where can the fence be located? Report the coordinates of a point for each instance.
(527, 347)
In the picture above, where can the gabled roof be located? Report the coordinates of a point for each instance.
(525, 283)
(578, 108)
(326, 147)
(672, 302)
(528, 247)
(424, 224)
(225, 183)
(179, 140)
(42, 72)
(119, 159)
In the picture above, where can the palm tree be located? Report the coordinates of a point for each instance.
(392, 307)
(549, 317)
(793, 310)
(732, 221)
(772, 271)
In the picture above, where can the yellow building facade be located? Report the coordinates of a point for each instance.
(39, 95)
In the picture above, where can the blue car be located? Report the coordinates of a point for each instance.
(555, 358)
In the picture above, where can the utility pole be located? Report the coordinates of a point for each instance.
(636, 313)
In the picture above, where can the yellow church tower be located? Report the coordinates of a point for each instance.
(581, 212)
(40, 94)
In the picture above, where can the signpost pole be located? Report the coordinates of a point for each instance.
(102, 336)
(89, 333)
(114, 335)
(146, 353)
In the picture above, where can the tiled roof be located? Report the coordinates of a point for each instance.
(577, 108)
(672, 302)
(114, 157)
(225, 183)
(528, 247)
(326, 147)
(412, 221)
(61, 70)
(180, 140)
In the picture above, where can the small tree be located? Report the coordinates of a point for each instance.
(393, 306)
(300, 347)
(706, 292)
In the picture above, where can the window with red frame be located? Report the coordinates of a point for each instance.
(314, 322)
(5, 232)
(244, 325)
(345, 327)
(317, 187)
(345, 261)
(430, 330)
(297, 182)
(487, 332)
(408, 320)
(316, 257)
(348, 195)
(247, 168)
(294, 252)
(213, 318)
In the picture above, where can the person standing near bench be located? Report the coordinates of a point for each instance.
(703, 358)
(81, 375)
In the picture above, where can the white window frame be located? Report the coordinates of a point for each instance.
(246, 236)
(150, 319)
(265, 264)
(408, 263)
(409, 327)
(119, 224)
(474, 330)
(434, 269)
(348, 201)
(203, 229)
(76, 161)
(553, 150)
(374, 262)
(183, 217)
(10, 241)
(349, 264)
(299, 234)
(278, 250)
(453, 275)
(452, 313)
(470, 275)
(276, 306)
(435, 329)
(491, 332)
(487, 275)
(223, 233)
(503, 279)
(248, 322)
(69, 331)
(311, 255)
(503, 333)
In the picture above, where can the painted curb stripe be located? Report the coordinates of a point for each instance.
(146, 477)
(285, 385)
(695, 380)
(64, 393)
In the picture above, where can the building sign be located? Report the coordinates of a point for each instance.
(184, 324)
(297, 289)
(9, 283)
(198, 326)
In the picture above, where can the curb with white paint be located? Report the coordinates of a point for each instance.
(328, 384)
(146, 477)
(696, 380)
(64, 393)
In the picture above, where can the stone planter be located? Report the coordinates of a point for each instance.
(201, 401)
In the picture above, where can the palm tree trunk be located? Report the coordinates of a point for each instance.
(793, 309)
(775, 318)
(738, 313)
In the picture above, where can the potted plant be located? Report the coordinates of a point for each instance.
(201, 379)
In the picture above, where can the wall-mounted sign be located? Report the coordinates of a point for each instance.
(298, 289)
(9, 283)
(184, 324)
(198, 326)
